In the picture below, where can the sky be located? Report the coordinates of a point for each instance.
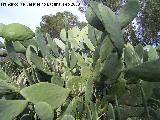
(31, 15)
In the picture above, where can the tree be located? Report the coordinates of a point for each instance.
(53, 24)
(149, 23)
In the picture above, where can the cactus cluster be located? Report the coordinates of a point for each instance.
(87, 74)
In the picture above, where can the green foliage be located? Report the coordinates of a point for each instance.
(76, 105)
(113, 4)
(131, 58)
(42, 45)
(139, 50)
(127, 111)
(147, 71)
(152, 53)
(46, 92)
(112, 26)
(8, 111)
(92, 18)
(1, 28)
(112, 67)
(3, 75)
(53, 24)
(149, 27)
(44, 111)
(111, 114)
(126, 17)
(17, 32)
(105, 49)
(145, 27)
(7, 87)
(60, 43)
(12, 53)
(37, 61)
(85, 74)
(68, 117)
(19, 48)
(52, 45)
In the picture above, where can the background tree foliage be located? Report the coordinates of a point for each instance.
(149, 23)
(53, 24)
(145, 29)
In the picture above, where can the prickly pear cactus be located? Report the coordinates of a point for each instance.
(17, 32)
(86, 74)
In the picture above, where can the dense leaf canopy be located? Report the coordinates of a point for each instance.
(53, 24)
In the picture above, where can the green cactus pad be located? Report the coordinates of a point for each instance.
(17, 32)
